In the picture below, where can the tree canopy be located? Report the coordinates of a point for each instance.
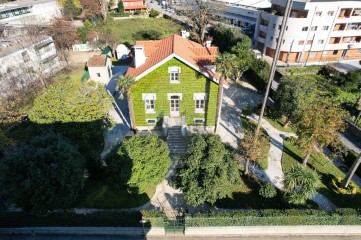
(71, 101)
(293, 94)
(225, 37)
(79, 111)
(210, 171)
(317, 125)
(45, 174)
(139, 162)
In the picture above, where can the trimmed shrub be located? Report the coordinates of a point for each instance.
(350, 190)
(268, 190)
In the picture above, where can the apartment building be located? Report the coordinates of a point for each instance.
(317, 31)
(24, 60)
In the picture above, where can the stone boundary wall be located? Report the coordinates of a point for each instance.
(274, 230)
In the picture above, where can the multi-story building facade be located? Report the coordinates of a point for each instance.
(316, 31)
(24, 61)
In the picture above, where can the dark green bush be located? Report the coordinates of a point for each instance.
(268, 190)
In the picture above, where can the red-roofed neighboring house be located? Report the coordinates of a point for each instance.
(175, 84)
(99, 68)
(133, 5)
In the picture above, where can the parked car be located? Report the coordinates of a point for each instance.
(246, 28)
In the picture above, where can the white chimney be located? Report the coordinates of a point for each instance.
(184, 34)
(139, 56)
(208, 42)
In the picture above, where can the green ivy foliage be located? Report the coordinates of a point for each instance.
(158, 82)
(45, 174)
(210, 171)
(139, 162)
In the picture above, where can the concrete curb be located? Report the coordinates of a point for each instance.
(153, 231)
(274, 231)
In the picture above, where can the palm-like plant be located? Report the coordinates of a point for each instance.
(300, 184)
(124, 84)
(224, 65)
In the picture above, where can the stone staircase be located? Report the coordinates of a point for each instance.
(176, 142)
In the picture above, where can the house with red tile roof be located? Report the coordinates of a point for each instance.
(175, 85)
(133, 5)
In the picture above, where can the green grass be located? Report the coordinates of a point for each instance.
(98, 193)
(292, 155)
(126, 28)
(75, 73)
(246, 196)
(278, 124)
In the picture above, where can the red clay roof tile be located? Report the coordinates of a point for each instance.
(188, 50)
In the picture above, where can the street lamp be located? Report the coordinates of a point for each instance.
(143, 221)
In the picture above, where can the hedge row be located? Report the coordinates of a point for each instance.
(274, 217)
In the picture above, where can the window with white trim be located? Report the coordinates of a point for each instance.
(174, 74)
(200, 102)
(149, 100)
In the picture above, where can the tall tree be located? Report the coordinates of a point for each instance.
(210, 171)
(79, 111)
(317, 125)
(293, 94)
(110, 38)
(224, 65)
(70, 10)
(250, 150)
(198, 13)
(245, 57)
(124, 84)
(120, 7)
(346, 181)
(139, 162)
(300, 184)
(64, 35)
(225, 37)
(90, 8)
(45, 174)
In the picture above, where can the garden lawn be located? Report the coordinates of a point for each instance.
(127, 28)
(278, 124)
(327, 170)
(98, 193)
(246, 196)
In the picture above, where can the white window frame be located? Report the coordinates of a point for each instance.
(174, 74)
(149, 100)
(199, 97)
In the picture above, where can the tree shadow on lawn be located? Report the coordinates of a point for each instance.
(246, 197)
(99, 192)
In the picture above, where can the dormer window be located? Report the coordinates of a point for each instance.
(174, 74)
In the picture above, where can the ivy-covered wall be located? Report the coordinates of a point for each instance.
(158, 82)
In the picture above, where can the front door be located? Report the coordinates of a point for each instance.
(174, 105)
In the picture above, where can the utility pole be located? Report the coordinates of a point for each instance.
(274, 63)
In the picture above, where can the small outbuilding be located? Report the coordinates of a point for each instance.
(122, 52)
(100, 68)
